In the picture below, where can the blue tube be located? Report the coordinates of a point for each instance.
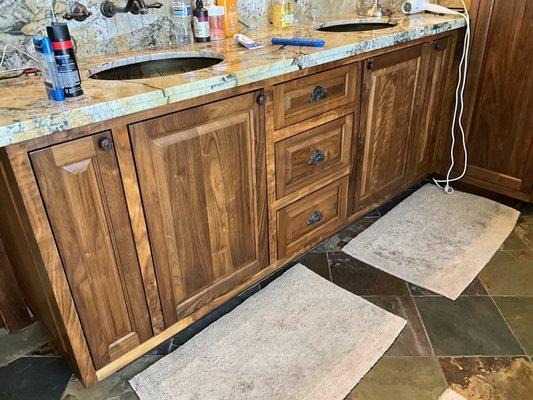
(52, 81)
(298, 42)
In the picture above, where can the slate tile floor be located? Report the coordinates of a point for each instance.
(481, 345)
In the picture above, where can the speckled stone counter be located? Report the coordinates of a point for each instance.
(25, 113)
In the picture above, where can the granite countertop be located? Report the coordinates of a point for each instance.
(26, 113)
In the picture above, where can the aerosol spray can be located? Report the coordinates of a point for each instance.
(67, 66)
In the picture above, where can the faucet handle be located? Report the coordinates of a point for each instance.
(157, 4)
(78, 12)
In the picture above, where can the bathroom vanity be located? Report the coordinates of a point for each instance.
(125, 230)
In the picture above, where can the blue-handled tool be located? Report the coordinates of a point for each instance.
(298, 42)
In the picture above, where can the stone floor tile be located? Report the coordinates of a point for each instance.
(509, 273)
(316, 262)
(490, 378)
(115, 387)
(475, 288)
(413, 340)
(400, 378)
(362, 279)
(22, 342)
(32, 378)
(518, 312)
(466, 326)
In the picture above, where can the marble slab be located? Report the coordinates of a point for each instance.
(25, 113)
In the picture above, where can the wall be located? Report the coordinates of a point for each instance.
(21, 19)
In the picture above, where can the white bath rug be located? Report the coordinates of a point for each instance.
(449, 394)
(437, 241)
(301, 337)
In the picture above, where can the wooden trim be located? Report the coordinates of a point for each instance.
(138, 224)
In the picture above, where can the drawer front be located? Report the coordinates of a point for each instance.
(312, 217)
(313, 95)
(303, 159)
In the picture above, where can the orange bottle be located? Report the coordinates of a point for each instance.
(231, 19)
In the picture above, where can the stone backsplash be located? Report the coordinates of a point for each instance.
(21, 19)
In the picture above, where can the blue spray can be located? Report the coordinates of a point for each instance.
(52, 81)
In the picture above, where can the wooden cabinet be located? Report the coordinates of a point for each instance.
(82, 191)
(202, 182)
(126, 232)
(500, 138)
(391, 104)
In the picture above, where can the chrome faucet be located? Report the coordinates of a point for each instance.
(375, 10)
(109, 9)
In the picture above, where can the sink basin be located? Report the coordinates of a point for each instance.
(355, 26)
(154, 66)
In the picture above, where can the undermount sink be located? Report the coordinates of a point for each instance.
(355, 26)
(154, 66)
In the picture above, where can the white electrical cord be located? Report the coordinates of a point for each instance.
(16, 48)
(459, 110)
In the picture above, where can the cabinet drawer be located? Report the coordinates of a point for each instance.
(313, 95)
(303, 159)
(312, 217)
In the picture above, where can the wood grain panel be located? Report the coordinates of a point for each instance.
(294, 102)
(391, 106)
(439, 53)
(309, 219)
(500, 142)
(82, 190)
(201, 184)
(312, 155)
(138, 224)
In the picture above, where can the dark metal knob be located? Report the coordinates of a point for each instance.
(316, 217)
(438, 46)
(316, 157)
(261, 99)
(370, 64)
(106, 144)
(318, 94)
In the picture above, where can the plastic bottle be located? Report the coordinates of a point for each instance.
(231, 22)
(52, 81)
(200, 23)
(182, 12)
(217, 22)
(282, 13)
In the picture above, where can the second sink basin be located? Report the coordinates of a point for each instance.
(154, 66)
(355, 26)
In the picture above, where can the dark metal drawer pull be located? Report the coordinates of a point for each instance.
(316, 217)
(316, 157)
(318, 94)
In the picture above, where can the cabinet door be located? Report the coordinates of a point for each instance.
(500, 140)
(82, 192)
(432, 117)
(391, 104)
(203, 184)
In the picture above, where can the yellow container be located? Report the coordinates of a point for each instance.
(231, 16)
(282, 13)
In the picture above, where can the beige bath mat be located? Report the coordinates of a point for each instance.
(449, 394)
(301, 337)
(437, 241)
